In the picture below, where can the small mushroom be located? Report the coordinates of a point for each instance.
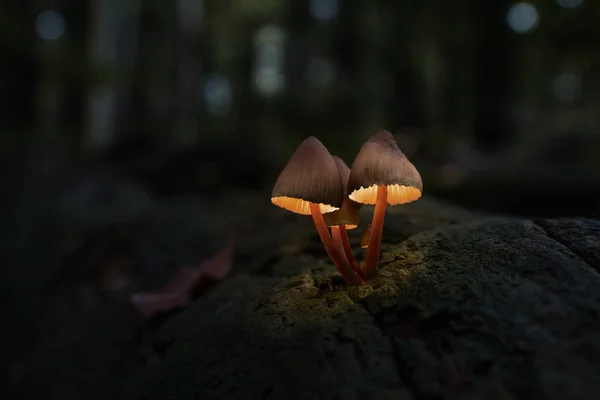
(364, 237)
(380, 175)
(346, 218)
(310, 184)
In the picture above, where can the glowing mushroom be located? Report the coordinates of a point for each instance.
(381, 174)
(310, 184)
(346, 218)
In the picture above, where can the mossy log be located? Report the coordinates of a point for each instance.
(463, 306)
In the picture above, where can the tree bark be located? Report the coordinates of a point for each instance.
(463, 306)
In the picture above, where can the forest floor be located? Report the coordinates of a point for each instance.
(465, 304)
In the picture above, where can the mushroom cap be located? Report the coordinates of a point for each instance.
(381, 162)
(344, 173)
(310, 176)
(347, 215)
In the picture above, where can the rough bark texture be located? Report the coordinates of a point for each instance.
(463, 306)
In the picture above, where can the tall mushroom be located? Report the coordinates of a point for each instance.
(310, 184)
(346, 218)
(380, 175)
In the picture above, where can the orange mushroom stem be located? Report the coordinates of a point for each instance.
(340, 238)
(372, 261)
(336, 256)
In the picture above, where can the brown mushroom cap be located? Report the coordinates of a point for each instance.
(344, 173)
(348, 214)
(310, 176)
(381, 162)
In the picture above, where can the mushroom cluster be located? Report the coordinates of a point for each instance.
(321, 185)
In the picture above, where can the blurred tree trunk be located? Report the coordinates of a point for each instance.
(62, 74)
(246, 106)
(372, 76)
(152, 100)
(18, 66)
(407, 105)
(188, 89)
(229, 107)
(364, 83)
(456, 50)
(347, 39)
(50, 91)
(113, 46)
(493, 62)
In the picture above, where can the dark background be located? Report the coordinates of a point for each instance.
(107, 104)
(499, 88)
(460, 82)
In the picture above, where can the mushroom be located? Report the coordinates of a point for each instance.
(364, 237)
(380, 175)
(310, 184)
(346, 218)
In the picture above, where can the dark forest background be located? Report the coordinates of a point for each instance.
(465, 85)
(127, 126)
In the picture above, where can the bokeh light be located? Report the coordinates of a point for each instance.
(269, 78)
(324, 10)
(50, 25)
(522, 17)
(569, 3)
(217, 95)
(567, 87)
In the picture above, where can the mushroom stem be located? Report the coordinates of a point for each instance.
(338, 259)
(340, 238)
(364, 237)
(337, 241)
(372, 261)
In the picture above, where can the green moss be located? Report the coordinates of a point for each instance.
(487, 296)
(359, 293)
